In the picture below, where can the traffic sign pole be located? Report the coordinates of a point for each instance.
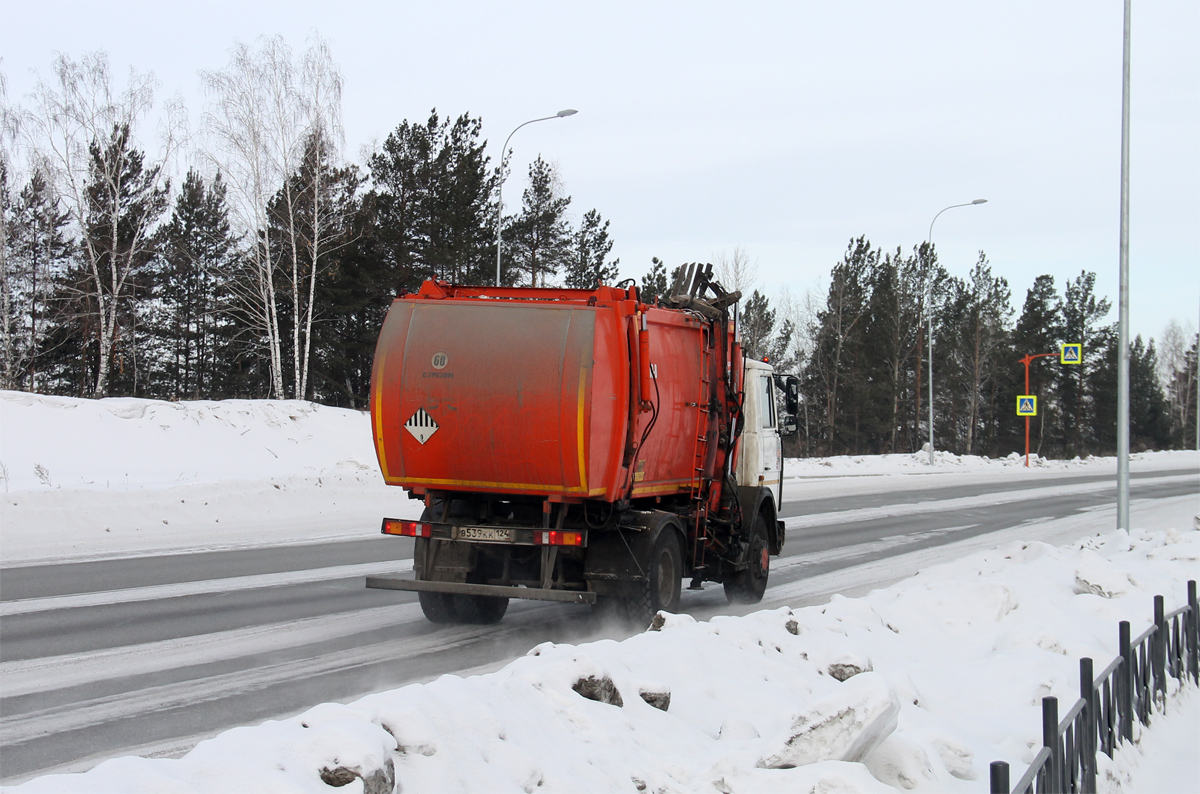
(1027, 360)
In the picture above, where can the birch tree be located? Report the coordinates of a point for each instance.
(83, 129)
(265, 107)
(7, 139)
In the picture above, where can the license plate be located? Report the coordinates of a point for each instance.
(485, 533)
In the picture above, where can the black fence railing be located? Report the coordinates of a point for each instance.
(1127, 689)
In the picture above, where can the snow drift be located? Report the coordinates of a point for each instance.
(915, 687)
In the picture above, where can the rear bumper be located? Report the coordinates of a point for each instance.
(458, 588)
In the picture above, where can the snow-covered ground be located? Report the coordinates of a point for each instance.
(943, 672)
(120, 477)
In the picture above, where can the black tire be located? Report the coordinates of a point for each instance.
(438, 607)
(483, 610)
(665, 573)
(748, 585)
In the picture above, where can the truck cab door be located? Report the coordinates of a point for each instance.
(768, 429)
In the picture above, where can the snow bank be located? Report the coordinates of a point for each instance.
(915, 687)
(918, 463)
(83, 479)
(94, 478)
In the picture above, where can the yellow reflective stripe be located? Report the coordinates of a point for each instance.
(483, 484)
(579, 431)
(378, 413)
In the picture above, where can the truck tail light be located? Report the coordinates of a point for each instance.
(554, 537)
(409, 529)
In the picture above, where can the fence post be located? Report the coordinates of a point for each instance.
(1125, 682)
(1160, 649)
(999, 777)
(1050, 741)
(1087, 739)
(1193, 632)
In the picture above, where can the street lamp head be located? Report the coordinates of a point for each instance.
(562, 114)
(979, 201)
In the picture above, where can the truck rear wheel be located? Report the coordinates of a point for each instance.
(662, 585)
(748, 585)
(438, 607)
(483, 610)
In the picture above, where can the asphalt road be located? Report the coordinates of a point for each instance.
(149, 655)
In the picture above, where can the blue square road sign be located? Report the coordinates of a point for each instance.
(1027, 405)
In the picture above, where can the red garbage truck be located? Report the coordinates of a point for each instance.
(578, 445)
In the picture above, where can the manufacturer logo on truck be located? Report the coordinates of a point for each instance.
(421, 425)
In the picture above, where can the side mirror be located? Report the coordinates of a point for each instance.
(791, 395)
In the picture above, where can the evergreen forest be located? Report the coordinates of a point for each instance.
(265, 267)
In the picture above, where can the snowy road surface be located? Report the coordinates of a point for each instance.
(147, 655)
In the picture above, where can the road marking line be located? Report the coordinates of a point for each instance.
(843, 553)
(962, 503)
(27, 606)
(47, 673)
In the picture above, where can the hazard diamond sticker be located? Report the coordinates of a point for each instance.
(421, 425)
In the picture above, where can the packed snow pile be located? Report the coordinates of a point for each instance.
(918, 463)
(83, 478)
(914, 687)
(118, 443)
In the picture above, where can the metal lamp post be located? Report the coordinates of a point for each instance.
(929, 315)
(562, 114)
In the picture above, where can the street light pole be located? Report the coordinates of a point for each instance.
(562, 114)
(929, 314)
(1123, 297)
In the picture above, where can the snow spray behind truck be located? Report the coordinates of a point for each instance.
(578, 446)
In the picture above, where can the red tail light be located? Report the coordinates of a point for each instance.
(554, 537)
(410, 529)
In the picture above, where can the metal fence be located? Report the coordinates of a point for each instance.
(1126, 690)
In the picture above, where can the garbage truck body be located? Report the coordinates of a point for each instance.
(578, 445)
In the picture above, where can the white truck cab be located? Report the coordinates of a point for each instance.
(760, 461)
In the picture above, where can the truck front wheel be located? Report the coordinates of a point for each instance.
(748, 585)
(662, 585)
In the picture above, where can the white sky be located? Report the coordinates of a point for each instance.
(783, 128)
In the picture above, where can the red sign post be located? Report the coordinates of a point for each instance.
(1027, 360)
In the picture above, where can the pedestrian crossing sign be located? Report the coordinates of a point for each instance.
(1026, 405)
(1072, 354)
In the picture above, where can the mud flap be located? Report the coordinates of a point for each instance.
(617, 561)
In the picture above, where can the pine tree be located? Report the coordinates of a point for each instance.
(833, 379)
(538, 240)
(1082, 312)
(892, 327)
(38, 251)
(432, 192)
(1149, 417)
(354, 297)
(763, 337)
(654, 283)
(460, 217)
(1149, 421)
(1038, 330)
(982, 337)
(588, 265)
(196, 254)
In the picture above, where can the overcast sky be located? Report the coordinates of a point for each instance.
(785, 128)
